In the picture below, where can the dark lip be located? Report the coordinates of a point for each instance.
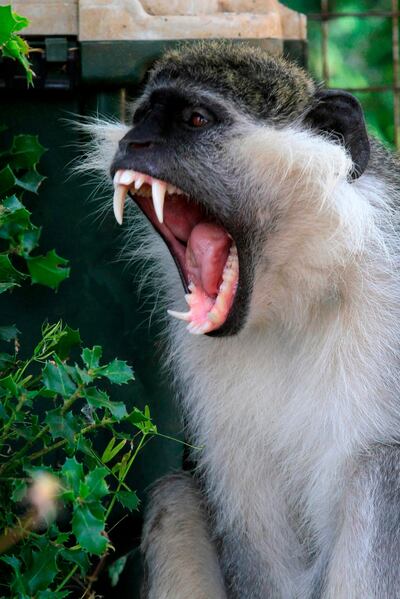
(238, 312)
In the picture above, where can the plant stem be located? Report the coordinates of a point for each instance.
(67, 578)
(122, 479)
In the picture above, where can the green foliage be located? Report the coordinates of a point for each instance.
(49, 402)
(19, 236)
(11, 44)
(359, 56)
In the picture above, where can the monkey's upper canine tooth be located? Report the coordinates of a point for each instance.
(117, 177)
(158, 190)
(127, 177)
(119, 202)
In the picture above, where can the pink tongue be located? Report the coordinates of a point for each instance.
(206, 255)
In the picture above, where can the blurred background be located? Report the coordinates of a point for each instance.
(354, 45)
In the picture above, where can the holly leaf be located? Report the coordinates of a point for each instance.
(115, 570)
(30, 181)
(61, 425)
(56, 378)
(92, 357)
(99, 399)
(88, 527)
(14, 222)
(7, 179)
(8, 274)
(8, 333)
(128, 499)
(26, 151)
(10, 22)
(78, 557)
(96, 484)
(72, 473)
(49, 270)
(69, 339)
(11, 45)
(43, 569)
(117, 372)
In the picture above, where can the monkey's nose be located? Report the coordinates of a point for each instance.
(126, 145)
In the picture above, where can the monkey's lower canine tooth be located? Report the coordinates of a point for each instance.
(159, 189)
(180, 315)
(127, 177)
(119, 202)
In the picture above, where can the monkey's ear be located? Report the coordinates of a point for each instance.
(340, 114)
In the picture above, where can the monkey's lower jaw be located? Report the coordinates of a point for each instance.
(205, 254)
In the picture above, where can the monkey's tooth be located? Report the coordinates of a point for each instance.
(171, 188)
(127, 177)
(139, 182)
(158, 190)
(119, 202)
(180, 315)
(117, 177)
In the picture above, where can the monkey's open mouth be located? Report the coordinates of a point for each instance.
(203, 250)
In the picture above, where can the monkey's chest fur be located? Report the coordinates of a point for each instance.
(279, 428)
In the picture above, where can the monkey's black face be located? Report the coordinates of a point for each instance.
(168, 163)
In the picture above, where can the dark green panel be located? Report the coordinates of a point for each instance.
(100, 297)
(125, 62)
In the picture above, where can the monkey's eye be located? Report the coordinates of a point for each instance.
(196, 117)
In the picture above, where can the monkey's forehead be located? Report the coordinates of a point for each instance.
(260, 82)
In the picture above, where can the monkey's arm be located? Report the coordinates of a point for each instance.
(366, 558)
(180, 558)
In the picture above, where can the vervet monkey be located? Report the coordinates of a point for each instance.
(268, 201)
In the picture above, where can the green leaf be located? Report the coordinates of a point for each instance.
(12, 45)
(26, 151)
(29, 240)
(78, 557)
(100, 399)
(88, 527)
(92, 357)
(10, 385)
(72, 473)
(110, 451)
(43, 569)
(117, 372)
(7, 179)
(14, 222)
(128, 499)
(8, 333)
(6, 286)
(69, 339)
(30, 181)
(8, 274)
(19, 490)
(116, 568)
(48, 594)
(48, 270)
(96, 484)
(61, 425)
(12, 203)
(10, 22)
(56, 378)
